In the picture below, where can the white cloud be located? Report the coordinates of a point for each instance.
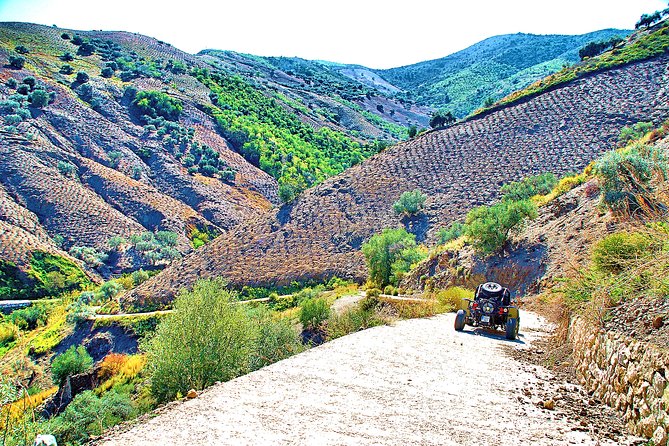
(369, 32)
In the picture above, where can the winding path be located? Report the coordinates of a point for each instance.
(415, 383)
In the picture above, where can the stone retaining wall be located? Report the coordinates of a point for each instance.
(629, 375)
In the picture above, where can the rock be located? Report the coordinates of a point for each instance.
(192, 393)
(549, 405)
(658, 322)
(660, 436)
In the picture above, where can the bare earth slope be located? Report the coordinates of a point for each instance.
(319, 235)
(418, 382)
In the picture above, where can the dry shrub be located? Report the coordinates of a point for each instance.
(451, 298)
(8, 333)
(16, 410)
(131, 368)
(409, 309)
(111, 365)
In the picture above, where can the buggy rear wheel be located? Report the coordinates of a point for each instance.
(512, 328)
(460, 320)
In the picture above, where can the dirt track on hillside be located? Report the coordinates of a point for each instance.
(418, 382)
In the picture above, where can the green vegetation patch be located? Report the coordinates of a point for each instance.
(274, 139)
(48, 275)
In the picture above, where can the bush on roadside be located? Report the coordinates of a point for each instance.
(206, 339)
(314, 312)
(89, 415)
(353, 319)
(390, 254)
(450, 299)
(28, 318)
(619, 251)
(277, 339)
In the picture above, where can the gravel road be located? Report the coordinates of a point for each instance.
(415, 383)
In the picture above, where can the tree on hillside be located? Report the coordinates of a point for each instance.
(16, 62)
(410, 203)
(441, 119)
(488, 227)
(651, 19)
(390, 254)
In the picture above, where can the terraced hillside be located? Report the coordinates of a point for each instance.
(319, 234)
(103, 155)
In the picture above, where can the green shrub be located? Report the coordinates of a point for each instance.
(352, 320)
(629, 178)
(634, 132)
(109, 290)
(155, 103)
(66, 69)
(16, 62)
(66, 168)
(138, 277)
(67, 57)
(30, 81)
(39, 98)
(28, 318)
(8, 333)
(314, 312)
(529, 187)
(455, 230)
(89, 415)
(11, 83)
(619, 251)
(72, 362)
(107, 72)
(389, 290)
(373, 293)
(488, 227)
(410, 203)
(206, 339)
(82, 77)
(89, 255)
(276, 339)
(390, 254)
(52, 275)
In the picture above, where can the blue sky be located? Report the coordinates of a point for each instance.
(375, 33)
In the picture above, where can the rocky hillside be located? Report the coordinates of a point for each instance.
(489, 70)
(113, 134)
(319, 234)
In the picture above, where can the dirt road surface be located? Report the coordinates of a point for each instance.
(415, 383)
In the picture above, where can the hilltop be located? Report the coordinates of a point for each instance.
(490, 69)
(319, 235)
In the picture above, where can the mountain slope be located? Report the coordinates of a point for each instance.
(319, 234)
(105, 156)
(492, 69)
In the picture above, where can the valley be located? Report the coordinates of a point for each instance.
(223, 246)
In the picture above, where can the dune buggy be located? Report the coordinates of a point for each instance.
(491, 307)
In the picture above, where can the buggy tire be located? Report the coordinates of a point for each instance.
(512, 329)
(460, 320)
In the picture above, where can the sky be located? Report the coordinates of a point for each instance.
(374, 33)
